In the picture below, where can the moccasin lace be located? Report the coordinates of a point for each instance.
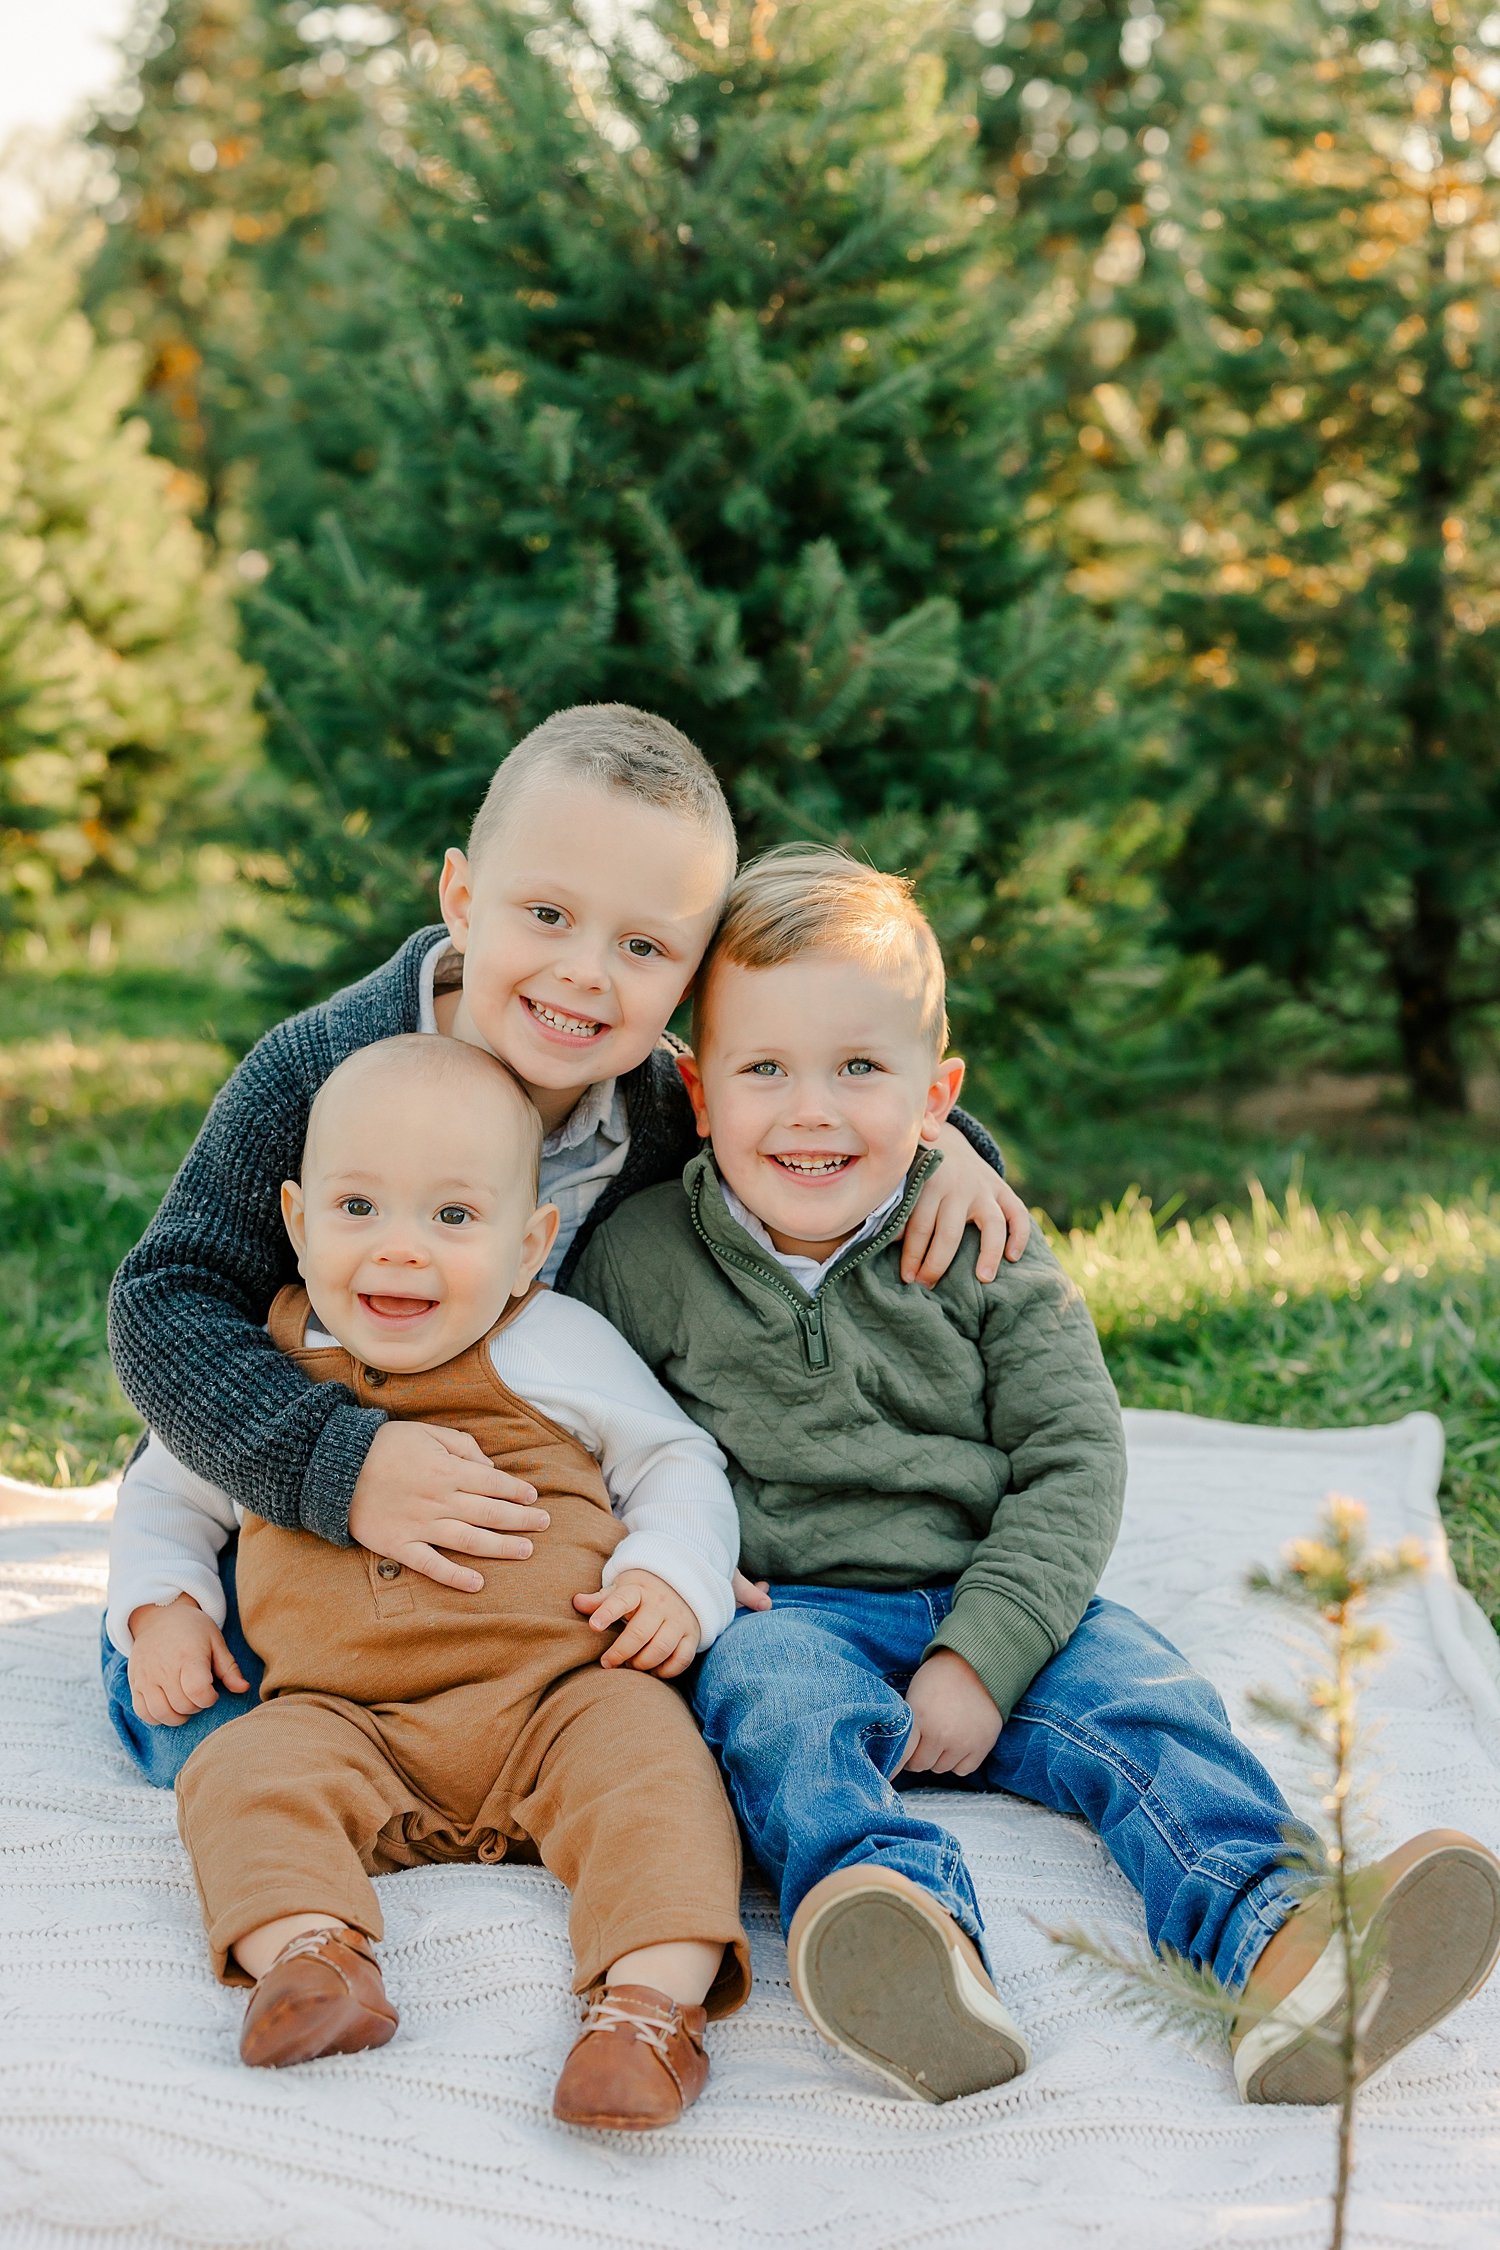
(315, 1941)
(653, 2026)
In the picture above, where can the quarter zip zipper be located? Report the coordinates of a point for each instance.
(808, 1309)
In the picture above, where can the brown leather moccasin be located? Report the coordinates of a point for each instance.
(637, 2063)
(322, 1995)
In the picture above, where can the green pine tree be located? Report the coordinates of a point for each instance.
(235, 123)
(1323, 430)
(690, 370)
(122, 700)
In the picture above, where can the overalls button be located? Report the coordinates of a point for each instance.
(388, 1570)
(374, 1376)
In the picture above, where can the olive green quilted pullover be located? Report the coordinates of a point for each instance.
(880, 1434)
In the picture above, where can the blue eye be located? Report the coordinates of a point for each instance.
(356, 1206)
(454, 1215)
(859, 1066)
(763, 1070)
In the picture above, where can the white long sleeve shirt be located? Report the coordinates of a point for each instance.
(665, 1477)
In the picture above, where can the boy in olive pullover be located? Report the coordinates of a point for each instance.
(931, 1481)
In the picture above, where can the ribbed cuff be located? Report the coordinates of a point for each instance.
(1005, 1645)
(333, 1472)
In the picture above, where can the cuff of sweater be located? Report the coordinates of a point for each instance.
(1005, 1645)
(333, 1472)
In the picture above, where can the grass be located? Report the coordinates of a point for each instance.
(1365, 1283)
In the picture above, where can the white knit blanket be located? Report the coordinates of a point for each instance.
(127, 2123)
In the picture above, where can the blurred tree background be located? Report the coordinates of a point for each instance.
(1050, 445)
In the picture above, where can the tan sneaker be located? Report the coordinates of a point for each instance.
(1433, 1907)
(892, 1980)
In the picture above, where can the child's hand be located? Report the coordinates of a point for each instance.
(176, 1655)
(662, 1633)
(750, 1593)
(955, 1725)
(423, 1487)
(963, 1192)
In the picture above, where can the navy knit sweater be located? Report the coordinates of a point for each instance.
(188, 1306)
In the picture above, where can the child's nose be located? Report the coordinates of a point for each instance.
(586, 964)
(400, 1250)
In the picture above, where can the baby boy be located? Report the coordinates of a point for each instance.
(403, 1720)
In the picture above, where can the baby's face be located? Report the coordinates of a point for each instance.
(817, 1084)
(581, 927)
(414, 1222)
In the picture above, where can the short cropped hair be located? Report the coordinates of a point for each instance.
(456, 1066)
(615, 747)
(804, 898)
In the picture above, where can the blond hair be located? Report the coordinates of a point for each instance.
(613, 746)
(456, 1065)
(806, 898)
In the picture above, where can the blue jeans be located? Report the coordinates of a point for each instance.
(803, 1705)
(162, 1752)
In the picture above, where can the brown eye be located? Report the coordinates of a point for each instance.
(454, 1215)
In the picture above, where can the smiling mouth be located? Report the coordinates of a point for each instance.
(558, 1021)
(813, 1167)
(398, 1308)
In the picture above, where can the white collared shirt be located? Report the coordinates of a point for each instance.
(810, 1272)
(589, 1146)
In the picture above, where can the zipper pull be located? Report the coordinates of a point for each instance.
(814, 1336)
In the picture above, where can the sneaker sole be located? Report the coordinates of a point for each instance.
(1426, 1971)
(879, 1979)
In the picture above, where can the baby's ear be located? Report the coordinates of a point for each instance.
(692, 1078)
(536, 1245)
(294, 1216)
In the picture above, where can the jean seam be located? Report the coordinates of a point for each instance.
(1231, 1875)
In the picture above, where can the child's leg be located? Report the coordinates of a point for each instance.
(281, 1822)
(882, 1923)
(1120, 1728)
(613, 1783)
(162, 1752)
(798, 1703)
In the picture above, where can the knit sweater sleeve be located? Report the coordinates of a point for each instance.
(1053, 1413)
(188, 1306)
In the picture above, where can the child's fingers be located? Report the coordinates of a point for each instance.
(1018, 1221)
(750, 1593)
(196, 1682)
(942, 1248)
(428, 1563)
(680, 1658)
(918, 1236)
(634, 1636)
(588, 1603)
(615, 1603)
(994, 1237)
(226, 1665)
(910, 1754)
(661, 1646)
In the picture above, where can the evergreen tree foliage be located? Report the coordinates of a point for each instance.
(1326, 424)
(236, 124)
(687, 370)
(121, 696)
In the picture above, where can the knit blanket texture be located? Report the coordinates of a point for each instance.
(127, 2122)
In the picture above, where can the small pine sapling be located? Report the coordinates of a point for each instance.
(1335, 1575)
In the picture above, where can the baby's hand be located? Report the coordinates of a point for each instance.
(176, 1655)
(750, 1593)
(662, 1633)
(955, 1724)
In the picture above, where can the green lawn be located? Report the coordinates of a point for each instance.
(1368, 1287)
